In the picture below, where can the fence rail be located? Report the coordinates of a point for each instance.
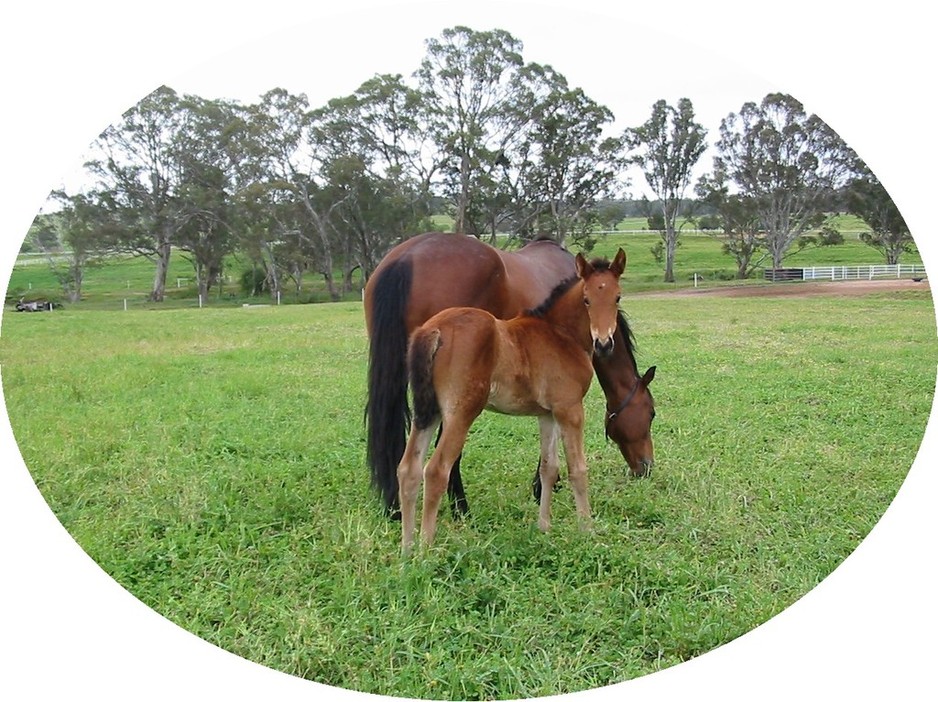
(870, 272)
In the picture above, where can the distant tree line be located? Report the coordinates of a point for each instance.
(501, 145)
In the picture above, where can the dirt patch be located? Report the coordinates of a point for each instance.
(800, 289)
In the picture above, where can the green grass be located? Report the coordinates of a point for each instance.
(212, 461)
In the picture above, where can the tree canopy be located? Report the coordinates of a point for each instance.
(502, 145)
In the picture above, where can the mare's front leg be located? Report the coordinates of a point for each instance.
(570, 420)
(409, 472)
(548, 467)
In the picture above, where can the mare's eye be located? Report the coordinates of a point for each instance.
(586, 301)
(618, 297)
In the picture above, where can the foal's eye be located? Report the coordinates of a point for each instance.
(586, 301)
(618, 297)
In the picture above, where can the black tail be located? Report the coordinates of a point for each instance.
(387, 414)
(420, 372)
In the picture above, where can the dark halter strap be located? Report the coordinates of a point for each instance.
(622, 405)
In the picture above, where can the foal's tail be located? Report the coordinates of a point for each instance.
(386, 413)
(423, 348)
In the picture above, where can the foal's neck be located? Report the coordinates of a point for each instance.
(569, 314)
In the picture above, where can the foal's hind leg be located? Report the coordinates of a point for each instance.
(409, 472)
(548, 467)
(437, 473)
(536, 484)
(455, 490)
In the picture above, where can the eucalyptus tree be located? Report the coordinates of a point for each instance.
(889, 234)
(378, 163)
(741, 232)
(473, 85)
(284, 165)
(208, 153)
(565, 164)
(666, 148)
(73, 239)
(785, 161)
(136, 178)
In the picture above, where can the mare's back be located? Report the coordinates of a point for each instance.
(535, 270)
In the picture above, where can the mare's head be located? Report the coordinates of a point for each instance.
(628, 424)
(601, 295)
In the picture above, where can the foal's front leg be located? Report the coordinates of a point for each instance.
(571, 429)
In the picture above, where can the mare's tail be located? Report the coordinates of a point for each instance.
(386, 413)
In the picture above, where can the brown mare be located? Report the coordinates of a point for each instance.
(464, 360)
(432, 272)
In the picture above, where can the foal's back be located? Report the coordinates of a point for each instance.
(521, 366)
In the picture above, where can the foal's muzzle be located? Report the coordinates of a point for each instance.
(603, 348)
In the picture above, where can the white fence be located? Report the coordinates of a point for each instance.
(863, 272)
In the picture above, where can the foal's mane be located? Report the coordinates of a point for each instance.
(559, 291)
(599, 264)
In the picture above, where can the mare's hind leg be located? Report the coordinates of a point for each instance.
(457, 494)
(548, 467)
(409, 473)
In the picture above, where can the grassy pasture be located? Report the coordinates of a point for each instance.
(212, 462)
(107, 286)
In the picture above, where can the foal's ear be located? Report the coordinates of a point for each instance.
(618, 263)
(583, 267)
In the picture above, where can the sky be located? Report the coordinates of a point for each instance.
(70, 69)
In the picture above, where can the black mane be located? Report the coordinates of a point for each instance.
(542, 309)
(599, 264)
(628, 335)
(559, 290)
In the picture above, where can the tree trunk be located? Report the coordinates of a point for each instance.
(74, 290)
(462, 206)
(334, 293)
(670, 247)
(163, 252)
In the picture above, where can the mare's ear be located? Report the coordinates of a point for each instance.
(583, 267)
(618, 263)
(649, 376)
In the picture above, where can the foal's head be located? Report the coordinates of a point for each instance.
(601, 296)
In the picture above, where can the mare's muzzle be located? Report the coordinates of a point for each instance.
(643, 469)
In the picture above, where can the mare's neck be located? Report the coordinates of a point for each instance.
(618, 372)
